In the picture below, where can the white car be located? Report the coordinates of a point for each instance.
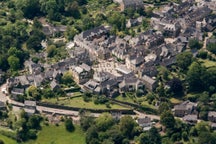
(4, 90)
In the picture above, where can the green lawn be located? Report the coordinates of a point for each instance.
(58, 135)
(133, 99)
(79, 102)
(125, 99)
(208, 63)
(175, 101)
(7, 140)
(147, 105)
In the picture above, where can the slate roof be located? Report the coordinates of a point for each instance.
(54, 85)
(30, 103)
(212, 114)
(18, 91)
(148, 79)
(144, 120)
(94, 31)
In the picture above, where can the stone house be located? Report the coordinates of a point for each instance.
(150, 83)
(184, 108)
(212, 116)
(134, 22)
(131, 84)
(82, 73)
(190, 119)
(134, 4)
(134, 62)
(30, 107)
(54, 85)
(171, 30)
(145, 123)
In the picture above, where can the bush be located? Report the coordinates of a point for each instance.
(194, 44)
(212, 47)
(100, 99)
(202, 54)
(69, 125)
(32, 134)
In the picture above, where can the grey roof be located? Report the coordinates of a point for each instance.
(30, 103)
(109, 83)
(54, 84)
(23, 80)
(85, 67)
(96, 30)
(148, 79)
(186, 105)
(132, 2)
(190, 118)
(212, 114)
(2, 104)
(144, 120)
(17, 91)
(38, 79)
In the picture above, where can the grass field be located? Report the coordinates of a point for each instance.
(125, 99)
(79, 102)
(208, 63)
(7, 140)
(134, 100)
(58, 135)
(175, 101)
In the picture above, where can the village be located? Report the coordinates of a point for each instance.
(105, 64)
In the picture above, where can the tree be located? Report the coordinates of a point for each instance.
(194, 44)
(204, 98)
(117, 20)
(67, 78)
(144, 138)
(212, 47)
(37, 24)
(34, 41)
(115, 134)
(164, 106)
(202, 54)
(154, 136)
(104, 121)
(69, 125)
(194, 77)
(34, 122)
(30, 8)
(71, 32)
(184, 60)
(167, 119)
(86, 122)
(127, 126)
(176, 86)
(51, 51)
(92, 135)
(34, 92)
(3, 62)
(14, 62)
(150, 137)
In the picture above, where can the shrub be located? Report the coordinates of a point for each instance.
(202, 54)
(212, 47)
(69, 125)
